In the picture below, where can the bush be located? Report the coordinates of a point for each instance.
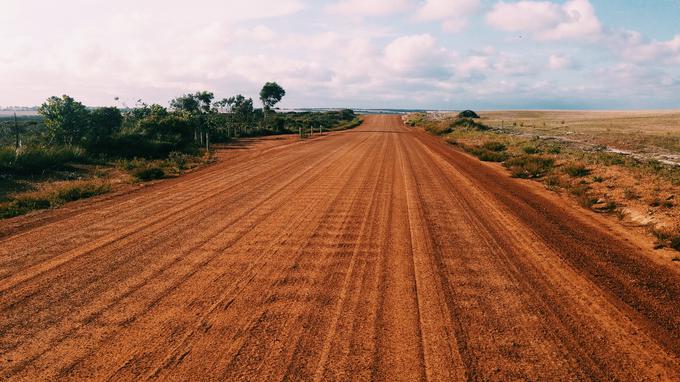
(531, 150)
(468, 114)
(38, 160)
(668, 237)
(61, 194)
(576, 170)
(148, 173)
(554, 149)
(486, 155)
(494, 146)
(529, 166)
(553, 183)
(469, 123)
(80, 190)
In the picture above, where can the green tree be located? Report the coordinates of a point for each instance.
(65, 118)
(271, 94)
(104, 123)
(240, 111)
(198, 108)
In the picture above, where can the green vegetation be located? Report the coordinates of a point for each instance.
(489, 151)
(57, 196)
(529, 166)
(67, 140)
(627, 186)
(576, 170)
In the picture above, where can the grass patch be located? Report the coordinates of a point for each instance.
(38, 160)
(668, 237)
(529, 166)
(495, 146)
(486, 155)
(56, 196)
(148, 173)
(576, 170)
(531, 150)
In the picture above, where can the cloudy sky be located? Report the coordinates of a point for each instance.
(445, 54)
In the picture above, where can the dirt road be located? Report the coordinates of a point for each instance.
(373, 254)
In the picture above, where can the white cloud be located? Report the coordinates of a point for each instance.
(545, 20)
(559, 62)
(417, 55)
(632, 46)
(368, 7)
(453, 14)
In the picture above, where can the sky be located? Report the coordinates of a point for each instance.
(429, 54)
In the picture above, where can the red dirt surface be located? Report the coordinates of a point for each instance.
(373, 254)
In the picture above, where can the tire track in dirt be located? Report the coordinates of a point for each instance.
(373, 254)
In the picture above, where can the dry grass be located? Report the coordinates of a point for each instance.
(55, 194)
(574, 159)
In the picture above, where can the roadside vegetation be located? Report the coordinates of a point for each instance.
(636, 190)
(69, 151)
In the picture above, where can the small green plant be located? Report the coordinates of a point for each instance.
(553, 183)
(630, 194)
(598, 179)
(554, 149)
(179, 159)
(149, 173)
(531, 150)
(487, 155)
(529, 166)
(494, 146)
(61, 194)
(576, 170)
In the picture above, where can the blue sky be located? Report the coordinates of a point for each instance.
(438, 54)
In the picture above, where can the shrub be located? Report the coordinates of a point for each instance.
(469, 123)
(531, 150)
(554, 149)
(530, 166)
(80, 190)
(668, 237)
(148, 173)
(598, 179)
(630, 194)
(576, 170)
(553, 182)
(38, 160)
(179, 159)
(494, 146)
(468, 114)
(487, 155)
(23, 205)
(59, 195)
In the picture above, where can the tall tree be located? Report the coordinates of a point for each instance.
(271, 94)
(65, 118)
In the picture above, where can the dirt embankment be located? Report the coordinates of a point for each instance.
(377, 253)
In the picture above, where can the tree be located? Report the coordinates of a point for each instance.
(65, 118)
(104, 123)
(185, 103)
(240, 110)
(198, 108)
(270, 95)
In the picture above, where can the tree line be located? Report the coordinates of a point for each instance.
(192, 120)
